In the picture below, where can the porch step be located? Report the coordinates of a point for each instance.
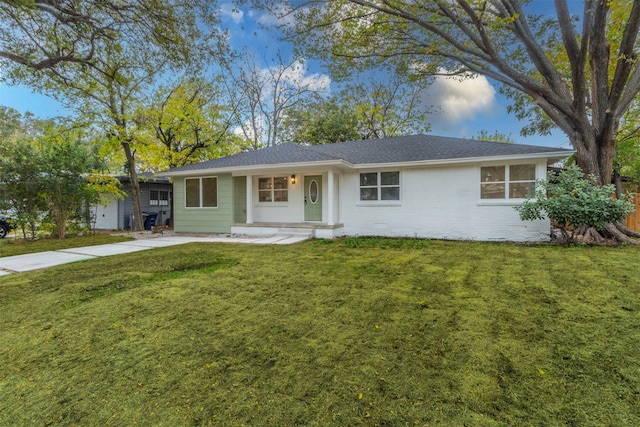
(288, 240)
(285, 238)
(296, 232)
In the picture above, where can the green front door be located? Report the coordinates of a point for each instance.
(313, 198)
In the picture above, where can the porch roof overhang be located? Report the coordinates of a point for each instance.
(339, 164)
(264, 168)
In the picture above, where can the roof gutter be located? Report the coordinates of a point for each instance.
(467, 160)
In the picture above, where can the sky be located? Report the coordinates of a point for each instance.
(465, 107)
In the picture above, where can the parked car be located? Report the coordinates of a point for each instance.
(5, 226)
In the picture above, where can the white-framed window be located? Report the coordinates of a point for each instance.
(158, 198)
(379, 186)
(273, 189)
(201, 192)
(507, 182)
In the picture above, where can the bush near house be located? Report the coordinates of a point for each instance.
(573, 201)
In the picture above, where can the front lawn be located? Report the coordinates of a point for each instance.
(326, 333)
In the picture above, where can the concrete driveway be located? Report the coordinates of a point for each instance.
(36, 261)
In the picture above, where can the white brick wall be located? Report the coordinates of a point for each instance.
(438, 202)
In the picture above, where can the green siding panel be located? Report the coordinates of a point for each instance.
(204, 220)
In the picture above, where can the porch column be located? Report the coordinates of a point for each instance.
(330, 184)
(249, 199)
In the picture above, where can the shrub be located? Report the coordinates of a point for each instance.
(573, 200)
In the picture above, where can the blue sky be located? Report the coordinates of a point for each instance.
(466, 107)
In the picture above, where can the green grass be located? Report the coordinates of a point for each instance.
(326, 334)
(21, 247)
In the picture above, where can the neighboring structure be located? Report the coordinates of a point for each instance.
(423, 185)
(155, 199)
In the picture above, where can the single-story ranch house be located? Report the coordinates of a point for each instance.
(422, 186)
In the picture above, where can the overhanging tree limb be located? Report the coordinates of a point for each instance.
(544, 61)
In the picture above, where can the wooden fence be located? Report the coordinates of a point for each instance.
(633, 220)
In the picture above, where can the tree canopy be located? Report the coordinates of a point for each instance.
(46, 34)
(102, 57)
(186, 122)
(579, 69)
(47, 176)
(376, 109)
(263, 97)
(496, 136)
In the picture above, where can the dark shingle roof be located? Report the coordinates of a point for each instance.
(423, 147)
(386, 150)
(282, 153)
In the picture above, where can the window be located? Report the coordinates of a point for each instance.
(158, 198)
(273, 189)
(380, 186)
(201, 192)
(507, 182)
(522, 181)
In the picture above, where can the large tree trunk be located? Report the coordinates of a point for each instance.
(135, 188)
(61, 217)
(617, 178)
(607, 148)
(595, 155)
(600, 165)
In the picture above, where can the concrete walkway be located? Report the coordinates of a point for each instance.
(36, 261)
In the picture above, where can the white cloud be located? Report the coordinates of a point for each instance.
(293, 76)
(227, 10)
(296, 74)
(459, 100)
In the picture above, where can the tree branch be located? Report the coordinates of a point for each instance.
(627, 57)
(577, 55)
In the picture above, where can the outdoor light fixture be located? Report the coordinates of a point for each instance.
(293, 179)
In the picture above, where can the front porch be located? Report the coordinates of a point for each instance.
(292, 202)
(310, 230)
